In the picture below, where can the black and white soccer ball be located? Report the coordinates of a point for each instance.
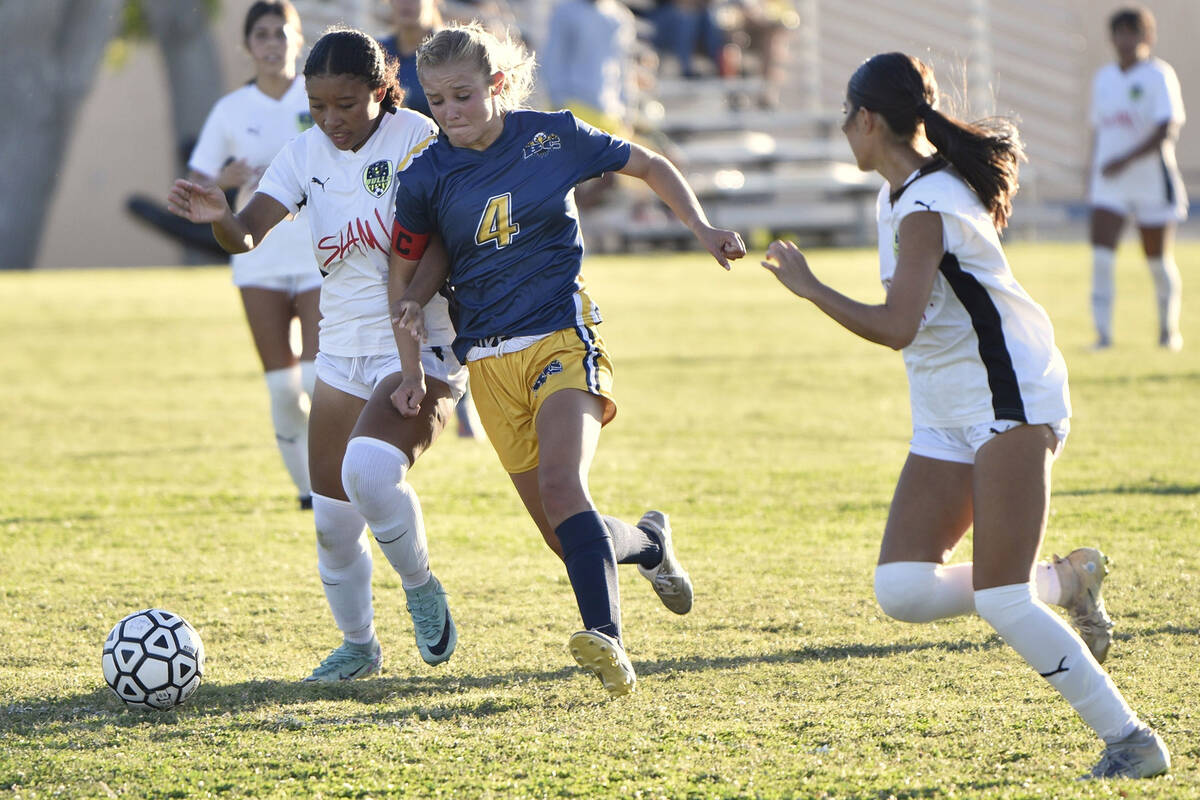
(153, 659)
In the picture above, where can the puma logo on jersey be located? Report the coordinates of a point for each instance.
(923, 203)
(321, 183)
(541, 144)
(253, 130)
(553, 368)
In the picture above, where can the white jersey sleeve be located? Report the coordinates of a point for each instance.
(283, 180)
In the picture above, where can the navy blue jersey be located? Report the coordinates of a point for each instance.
(414, 95)
(508, 219)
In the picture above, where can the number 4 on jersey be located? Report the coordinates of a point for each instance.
(496, 224)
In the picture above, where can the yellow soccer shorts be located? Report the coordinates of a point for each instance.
(509, 389)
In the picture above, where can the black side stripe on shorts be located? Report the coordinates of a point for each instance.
(1170, 184)
(590, 358)
(985, 319)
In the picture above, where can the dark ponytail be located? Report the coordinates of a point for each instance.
(346, 51)
(904, 92)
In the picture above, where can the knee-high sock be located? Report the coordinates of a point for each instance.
(1168, 290)
(373, 476)
(289, 415)
(1049, 645)
(632, 545)
(1103, 262)
(308, 376)
(344, 562)
(592, 567)
(921, 591)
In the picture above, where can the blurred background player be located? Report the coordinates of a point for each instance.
(988, 388)
(1137, 111)
(363, 438)
(278, 281)
(497, 187)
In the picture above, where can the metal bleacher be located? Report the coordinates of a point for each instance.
(787, 169)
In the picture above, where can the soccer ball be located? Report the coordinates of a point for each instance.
(153, 659)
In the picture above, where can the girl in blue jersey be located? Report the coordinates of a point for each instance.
(989, 398)
(497, 188)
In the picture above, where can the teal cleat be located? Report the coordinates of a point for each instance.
(432, 623)
(349, 662)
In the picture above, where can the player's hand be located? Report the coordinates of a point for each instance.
(1114, 167)
(409, 394)
(238, 175)
(725, 246)
(409, 315)
(785, 261)
(197, 203)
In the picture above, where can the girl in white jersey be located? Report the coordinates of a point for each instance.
(363, 434)
(278, 281)
(1137, 111)
(989, 399)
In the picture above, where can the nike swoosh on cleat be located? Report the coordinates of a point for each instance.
(440, 647)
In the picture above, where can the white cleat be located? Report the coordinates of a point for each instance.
(1081, 573)
(604, 656)
(1141, 754)
(669, 579)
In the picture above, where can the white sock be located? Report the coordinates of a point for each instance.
(1103, 262)
(344, 562)
(308, 377)
(1168, 290)
(373, 477)
(289, 414)
(1050, 646)
(921, 591)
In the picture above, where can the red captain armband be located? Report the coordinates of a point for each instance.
(409, 246)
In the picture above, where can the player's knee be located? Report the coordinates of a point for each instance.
(562, 492)
(372, 475)
(288, 413)
(901, 588)
(339, 532)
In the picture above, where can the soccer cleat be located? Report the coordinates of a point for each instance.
(604, 656)
(1102, 343)
(432, 623)
(1141, 754)
(669, 579)
(348, 662)
(1080, 575)
(1172, 341)
(306, 502)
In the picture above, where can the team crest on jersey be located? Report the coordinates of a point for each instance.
(377, 177)
(304, 121)
(553, 368)
(541, 144)
(1135, 91)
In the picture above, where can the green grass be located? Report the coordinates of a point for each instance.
(139, 470)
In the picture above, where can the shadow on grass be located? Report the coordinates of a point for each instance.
(1128, 380)
(401, 699)
(1150, 487)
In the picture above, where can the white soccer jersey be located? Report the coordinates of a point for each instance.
(984, 350)
(1127, 106)
(248, 124)
(349, 200)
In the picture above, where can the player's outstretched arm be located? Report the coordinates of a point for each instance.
(408, 395)
(236, 233)
(661, 176)
(893, 323)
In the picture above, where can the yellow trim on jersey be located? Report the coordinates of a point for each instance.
(415, 151)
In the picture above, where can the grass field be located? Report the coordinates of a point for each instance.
(139, 470)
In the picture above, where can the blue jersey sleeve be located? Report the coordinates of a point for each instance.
(414, 219)
(597, 151)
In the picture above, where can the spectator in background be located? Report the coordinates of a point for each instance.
(1137, 110)
(412, 21)
(684, 27)
(587, 62)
